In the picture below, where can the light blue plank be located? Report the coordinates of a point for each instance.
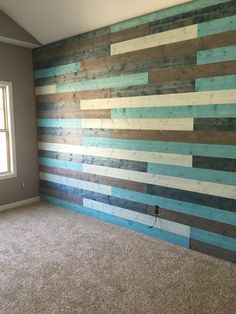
(60, 123)
(224, 24)
(154, 232)
(156, 16)
(210, 150)
(206, 212)
(216, 83)
(222, 54)
(223, 177)
(56, 71)
(58, 163)
(109, 82)
(213, 238)
(208, 111)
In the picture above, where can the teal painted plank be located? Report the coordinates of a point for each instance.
(56, 71)
(216, 176)
(58, 163)
(224, 24)
(60, 123)
(216, 83)
(169, 12)
(208, 111)
(109, 82)
(213, 238)
(154, 232)
(206, 212)
(222, 54)
(210, 150)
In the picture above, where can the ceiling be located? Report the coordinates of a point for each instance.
(52, 20)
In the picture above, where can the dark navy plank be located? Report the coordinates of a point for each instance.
(223, 164)
(100, 161)
(192, 197)
(221, 124)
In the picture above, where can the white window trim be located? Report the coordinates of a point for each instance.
(11, 127)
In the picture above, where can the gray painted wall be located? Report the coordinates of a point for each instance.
(10, 29)
(16, 67)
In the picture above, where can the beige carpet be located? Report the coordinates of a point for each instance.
(56, 261)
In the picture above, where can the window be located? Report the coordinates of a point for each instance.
(7, 138)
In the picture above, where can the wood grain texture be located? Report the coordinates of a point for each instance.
(169, 100)
(166, 13)
(198, 222)
(75, 113)
(45, 157)
(143, 113)
(119, 183)
(213, 250)
(199, 15)
(193, 72)
(214, 163)
(172, 36)
(194, 198)
(166, 51)
(211, 137)
(143, 156)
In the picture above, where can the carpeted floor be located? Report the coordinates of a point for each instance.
(56, 261)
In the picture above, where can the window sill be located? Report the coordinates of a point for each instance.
(7, 176)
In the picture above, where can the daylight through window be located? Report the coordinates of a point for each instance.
(7, 152)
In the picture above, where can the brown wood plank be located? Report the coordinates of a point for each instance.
(69, 113)
(192, 72)
(210, 137)
(130, 185)
(73, 98)
(75, 140)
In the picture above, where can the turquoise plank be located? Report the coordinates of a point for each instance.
(169, 12)
(222, 54)
(210, 150)
(58, 163)
(206, 212)
(154, 232)
(216, 176)
(208, 111)
(56, 71)
(224, 24)
(60, 123)
(227, 243)
(109, 82)
(216, 83)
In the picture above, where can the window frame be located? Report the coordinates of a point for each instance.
(9, 130)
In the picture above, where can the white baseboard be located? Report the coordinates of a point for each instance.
(20, 203)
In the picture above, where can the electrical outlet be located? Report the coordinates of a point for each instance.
(22, 185)
(157, 210)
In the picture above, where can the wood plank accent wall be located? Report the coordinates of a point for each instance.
(143, 113)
